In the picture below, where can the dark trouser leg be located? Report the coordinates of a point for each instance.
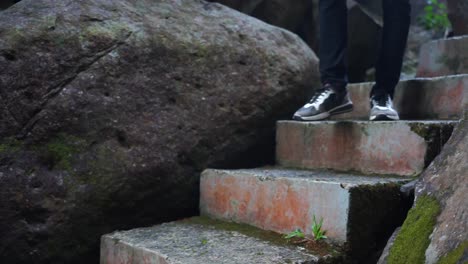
(394, 36)
(333, 41)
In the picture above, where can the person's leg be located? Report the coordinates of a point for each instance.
(397, 17)
(333, 15)
(396, 14)
(333, 98)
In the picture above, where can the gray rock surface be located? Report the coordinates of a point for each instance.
(110, 109)
(447, 180)
(186, 242)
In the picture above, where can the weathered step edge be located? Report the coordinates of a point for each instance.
(203, 240)
(402, 148)
(440, 98)
(443, 57)
(355, 209)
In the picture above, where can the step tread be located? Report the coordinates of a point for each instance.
(322, 176)
(202, 240)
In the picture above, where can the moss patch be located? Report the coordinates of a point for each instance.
(9, 145)
(411, 244)
(59, 151)
(270, 236)
(108, 29)
(455, 256)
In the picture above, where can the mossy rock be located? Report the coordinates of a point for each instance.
(412, 241)
(455, 256)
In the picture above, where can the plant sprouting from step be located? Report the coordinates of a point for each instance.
(295, 234)
(317, 230)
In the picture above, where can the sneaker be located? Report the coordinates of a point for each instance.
(324, 103)
(382, 108)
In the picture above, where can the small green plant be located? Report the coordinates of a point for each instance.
(435, 16)
(317, 230)
(295, 234)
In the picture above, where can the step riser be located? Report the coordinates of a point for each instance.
(418, 99)
(114, 251)
(277, 205)
(444, 57)
(286, 204)
(398, 148)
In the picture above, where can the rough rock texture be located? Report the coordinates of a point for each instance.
(110, 109)
(201, 240)
(457, 13)
(446, 182)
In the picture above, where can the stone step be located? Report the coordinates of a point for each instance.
(402, 148)
(416, 99)
(354, 208)
(444, 57)
(200, 240)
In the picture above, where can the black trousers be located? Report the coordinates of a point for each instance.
(334, 37)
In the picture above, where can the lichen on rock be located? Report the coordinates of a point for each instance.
(411, 243)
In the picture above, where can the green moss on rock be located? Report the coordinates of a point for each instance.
(10, 144)
(455, 256)
(59, 151)
(270, 236)
(412, 241)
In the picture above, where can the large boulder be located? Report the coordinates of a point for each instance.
(110, 109)
(458, 15)
(436, 229)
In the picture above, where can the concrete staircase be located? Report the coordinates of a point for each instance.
(348, 173)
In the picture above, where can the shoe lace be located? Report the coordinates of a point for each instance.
(318, 97)
(382, 100)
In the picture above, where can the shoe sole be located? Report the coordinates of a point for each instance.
(335, 111)
(384, 118)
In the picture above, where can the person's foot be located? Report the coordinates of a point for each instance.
(324, 103)
(382, 108)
